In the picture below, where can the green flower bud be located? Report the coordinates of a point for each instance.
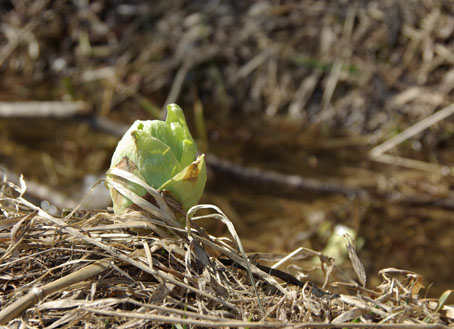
(163, 154)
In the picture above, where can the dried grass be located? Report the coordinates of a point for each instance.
(94, 268)
(367, 66)
(364, 66)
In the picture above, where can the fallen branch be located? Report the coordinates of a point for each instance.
(278, 179)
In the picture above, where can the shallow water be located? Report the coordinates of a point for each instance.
(274, 217)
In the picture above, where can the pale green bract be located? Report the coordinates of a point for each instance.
(163, 154)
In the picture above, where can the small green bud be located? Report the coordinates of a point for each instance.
(163, 154)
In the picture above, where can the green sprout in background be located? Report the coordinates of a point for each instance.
(164, 155)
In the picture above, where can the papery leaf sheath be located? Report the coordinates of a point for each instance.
(187, 186)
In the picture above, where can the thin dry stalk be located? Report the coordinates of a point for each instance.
(40, 109)
(412, 131)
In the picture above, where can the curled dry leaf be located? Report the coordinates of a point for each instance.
(356, 262)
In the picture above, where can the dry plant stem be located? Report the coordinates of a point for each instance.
(242, 262)
(38, 293)
(412, 131)
(4, 54)
(40, 109)
(250, 66)
(184, 313)
(355, 286)
(422, 201)
(233, 323)
(345, 54)
(178, 82)
(408, 163)
(286, 258)
(302, 95)
(223, 218)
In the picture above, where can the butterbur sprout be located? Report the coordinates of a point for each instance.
(164, 155)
